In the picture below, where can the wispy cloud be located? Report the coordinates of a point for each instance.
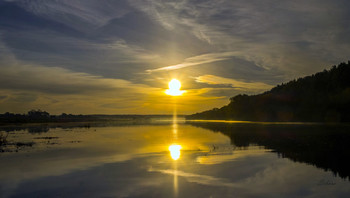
(240, 85)
(135, 53)
(184, 15)
(91, 12)
(56, 80)
(197, 60)
(294, 37)
(58, 90)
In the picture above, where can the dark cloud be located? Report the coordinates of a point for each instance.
(3, 97)
(13, 17)
(23, 97)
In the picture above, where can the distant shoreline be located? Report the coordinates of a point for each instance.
(43, 117)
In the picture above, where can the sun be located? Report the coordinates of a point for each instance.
(174, 88)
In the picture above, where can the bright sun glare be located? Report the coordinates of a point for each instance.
(174, 88)
(175, 151)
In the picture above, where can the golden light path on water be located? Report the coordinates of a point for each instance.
(175, 150)
(175, 147)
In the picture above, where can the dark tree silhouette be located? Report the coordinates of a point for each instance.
(322, 97)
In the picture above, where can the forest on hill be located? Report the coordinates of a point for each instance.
(321, 97)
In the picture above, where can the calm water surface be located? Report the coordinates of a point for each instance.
(168, 159)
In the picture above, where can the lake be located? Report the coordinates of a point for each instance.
(176, 159)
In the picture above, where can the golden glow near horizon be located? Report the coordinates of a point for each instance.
(175, 151)
(174, 88)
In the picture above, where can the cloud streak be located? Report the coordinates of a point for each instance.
(85, 11)
(239, 85)
(196, 60)
(56, 80)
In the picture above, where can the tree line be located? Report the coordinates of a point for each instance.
(321, 97)
(40, 116)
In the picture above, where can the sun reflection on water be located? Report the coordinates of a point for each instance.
(175, 151)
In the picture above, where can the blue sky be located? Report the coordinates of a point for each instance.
(117, 56)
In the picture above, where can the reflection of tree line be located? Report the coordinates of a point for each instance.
(45, 127)
(324, 146)
(33, 129)
(322, 97)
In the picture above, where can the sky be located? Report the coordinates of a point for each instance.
(117, 56)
